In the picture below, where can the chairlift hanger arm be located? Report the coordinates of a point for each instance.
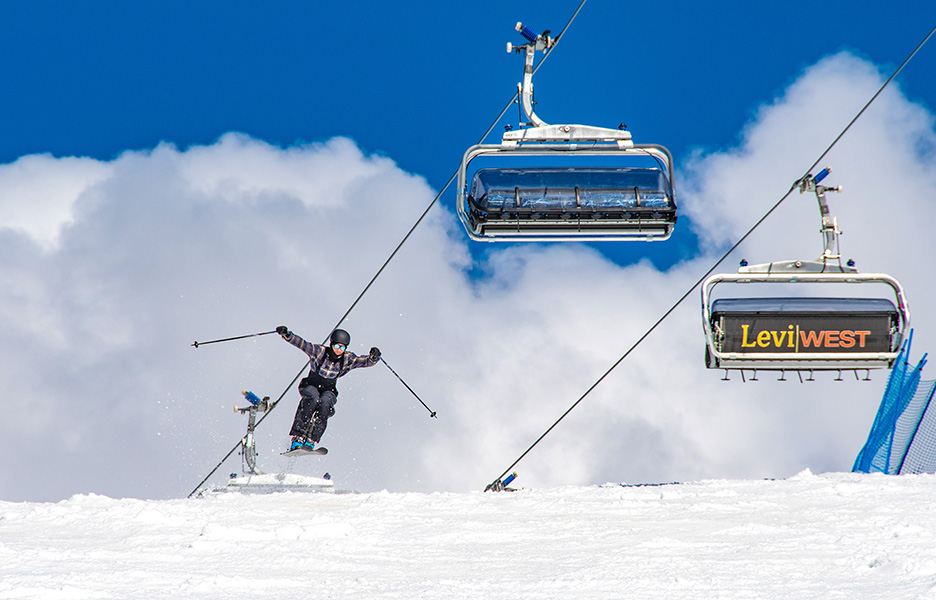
(539, 130)
(535, 41)
(830, 231)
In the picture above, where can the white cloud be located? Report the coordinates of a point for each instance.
(135, 258)
(888, 149)
(40, 193)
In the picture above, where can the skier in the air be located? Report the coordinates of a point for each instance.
(317, 390)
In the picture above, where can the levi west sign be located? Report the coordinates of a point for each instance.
(793, 333)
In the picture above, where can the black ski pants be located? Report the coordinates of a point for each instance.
(313, 402)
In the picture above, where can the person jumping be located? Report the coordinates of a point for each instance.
(317, 391)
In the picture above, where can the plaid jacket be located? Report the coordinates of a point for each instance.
(326, 368)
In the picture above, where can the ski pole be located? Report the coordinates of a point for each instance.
(431, 412)
(240, 337)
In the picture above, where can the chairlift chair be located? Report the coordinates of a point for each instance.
(805, 333)
(569, 202)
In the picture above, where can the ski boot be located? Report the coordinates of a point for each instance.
(301, 442)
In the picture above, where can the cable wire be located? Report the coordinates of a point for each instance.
(714, 266)
(399, 246)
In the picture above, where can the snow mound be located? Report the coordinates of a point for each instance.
(279, 482)
(810, 536)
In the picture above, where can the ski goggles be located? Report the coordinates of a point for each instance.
(339, 346)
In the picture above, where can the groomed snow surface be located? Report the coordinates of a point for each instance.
(809, 536)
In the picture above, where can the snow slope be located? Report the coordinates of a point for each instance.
(826, 536)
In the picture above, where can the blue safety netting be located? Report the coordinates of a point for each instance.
(903, 436)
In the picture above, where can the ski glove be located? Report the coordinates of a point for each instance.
(375, 353)
(282, 330)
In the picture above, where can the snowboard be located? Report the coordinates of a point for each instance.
(305, 452)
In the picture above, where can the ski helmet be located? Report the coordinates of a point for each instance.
(340, 336)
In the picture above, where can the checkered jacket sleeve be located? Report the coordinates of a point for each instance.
(326, 368)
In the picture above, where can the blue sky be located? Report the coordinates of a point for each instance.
(133, 222)
(419, 84)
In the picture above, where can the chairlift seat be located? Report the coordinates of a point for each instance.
(564, 201)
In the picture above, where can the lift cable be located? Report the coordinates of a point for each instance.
(396, 250)
(795, 185)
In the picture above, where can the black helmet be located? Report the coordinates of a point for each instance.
(340, 336)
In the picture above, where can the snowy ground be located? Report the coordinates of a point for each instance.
(826, 536)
